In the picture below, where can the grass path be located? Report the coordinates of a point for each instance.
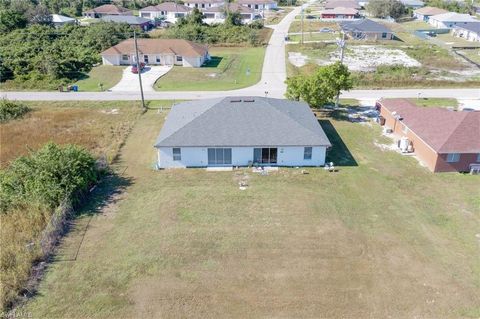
(382, 237)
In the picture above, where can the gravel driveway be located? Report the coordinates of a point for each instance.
(150, 75)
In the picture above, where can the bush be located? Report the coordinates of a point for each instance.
(10, 110)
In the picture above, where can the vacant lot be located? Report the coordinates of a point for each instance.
(312, 25)
(229, 68)
(380, 238)
(107, 75)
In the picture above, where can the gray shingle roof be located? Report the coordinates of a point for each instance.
(364, 25)
(244, 121)
(132, 20)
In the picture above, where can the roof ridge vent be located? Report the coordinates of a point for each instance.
(250, 100)
(235, 100)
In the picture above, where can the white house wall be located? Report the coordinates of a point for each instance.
(111, 59)
(241, 156)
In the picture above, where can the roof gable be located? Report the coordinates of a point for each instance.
(241, 122)
(363, 25)
(155, 46)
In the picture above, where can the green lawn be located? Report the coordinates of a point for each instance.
(311, 25)
(230, 68)
(108, 75)
(315, 36)
(382, 237)
(436, 102)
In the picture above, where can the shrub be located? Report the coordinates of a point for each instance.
(10, 110)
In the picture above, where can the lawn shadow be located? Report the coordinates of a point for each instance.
(339, 153)
(213, 62)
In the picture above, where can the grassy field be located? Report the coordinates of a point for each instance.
(108, 75)
(276, 16)
(435, 102)
(230, 68)
(473, 55)
(308, 36)
(312, 25)
(382, 237)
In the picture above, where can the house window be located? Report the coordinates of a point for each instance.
(179, 58)
(307, 153)
(478, 158)
(177, 154)
(157, 59)
(384, 35)
(145, 58)
(125, 57)
(219, 156)
(453, 157)
(265, 155)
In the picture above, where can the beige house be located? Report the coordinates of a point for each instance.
(157, 52)
(107, 9)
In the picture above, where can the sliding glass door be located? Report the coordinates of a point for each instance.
(265, 155)
(219, 156)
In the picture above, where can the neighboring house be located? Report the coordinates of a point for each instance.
(351, 4)
(203, 4)
(107, 9)
(451, 19)
(470, 32)
(157, 52)
(143, 23)
(366, 29)
(59, 20)
(241, 131)
(259, 5)
(168, 11)
(415, 4)
(217, 14)
(340, 13)
(425, 13)
(442, 139)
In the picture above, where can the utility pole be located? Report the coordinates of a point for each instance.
(302, 25)
(139, 69)
(341, 44)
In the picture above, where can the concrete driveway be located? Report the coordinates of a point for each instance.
(129, 81)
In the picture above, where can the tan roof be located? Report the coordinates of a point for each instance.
(158, 46)
(204, 1)
(445, 131)
(430, 11)
(332, 4)
(232, 7)
(256, 1)
(341, 10)
(109, 9)
(168, 7)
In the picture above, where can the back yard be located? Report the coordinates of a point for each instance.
(230, 68)
(381, 237)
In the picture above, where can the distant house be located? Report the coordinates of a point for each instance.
(168, 11)
(107, 9)
(259, 5)
(425, 13)
(415, 4)
(451, 19)
(333, 4)
(470, 32)
(59, 20)
(203, 4)
(142, 23)
(442, 139)
(157, 52)
(217, 14)
(234, 131)
(366, 29)
(339, 13)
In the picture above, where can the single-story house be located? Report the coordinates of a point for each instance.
(470, 32)
(351, 4)
(168, 11)
(202, 4)
(442, 139)
(339, 13)
(107, 9)
(451, 19)
(425, 13)
(415, 4)
(142, 23)
(366, 29)
(214, 15)
(259, 5)
(157, 52)
(241, 131)
(59, 20)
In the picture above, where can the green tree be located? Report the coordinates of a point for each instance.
(386, 8)
(233, 18)
(39, 15)
(11, 20)
(321, 87)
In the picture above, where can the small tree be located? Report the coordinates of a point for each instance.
(233, 18)
(321, 87)
(386, 8)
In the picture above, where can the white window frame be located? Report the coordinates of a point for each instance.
(179, 58)
(125, 56)
(177, 155)
(453, 157)
(478, 158)
(307, 153)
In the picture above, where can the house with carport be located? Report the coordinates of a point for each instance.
(451, 19)
(425, 13)
(157, 52)
(442, 139)
(469, 32)
(241, 131)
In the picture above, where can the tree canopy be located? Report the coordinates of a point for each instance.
(386, 8)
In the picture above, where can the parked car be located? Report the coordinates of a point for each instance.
(326, 30)
(135, 67)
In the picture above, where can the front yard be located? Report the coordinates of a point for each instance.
(382, 237)
(100, 78)
(230, 68)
